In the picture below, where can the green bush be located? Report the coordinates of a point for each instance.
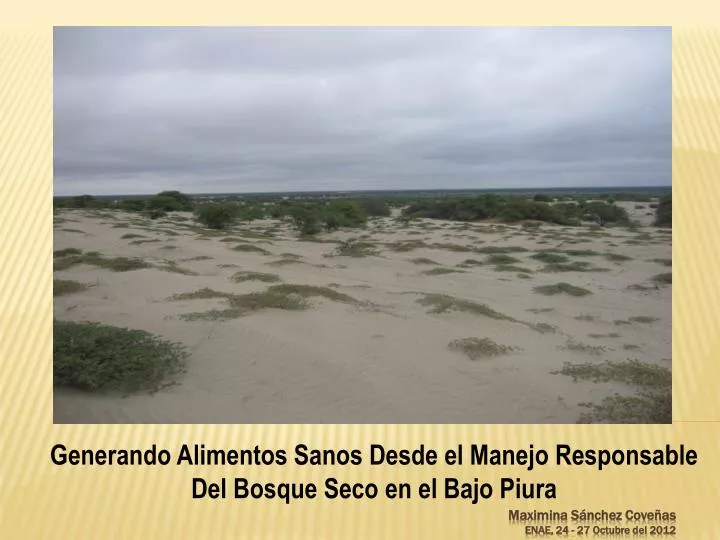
(375, 207)
(98, 357)
(603, 213)
(184, 202)
(217, 216)
(165, 203)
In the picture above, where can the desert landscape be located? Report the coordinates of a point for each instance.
(396, 321)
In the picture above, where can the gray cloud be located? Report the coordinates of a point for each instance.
(138, 110)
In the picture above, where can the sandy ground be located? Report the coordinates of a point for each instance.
(386, 360)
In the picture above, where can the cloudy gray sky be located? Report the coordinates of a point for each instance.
(139, 110)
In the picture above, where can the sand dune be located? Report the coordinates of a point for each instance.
(385, 356)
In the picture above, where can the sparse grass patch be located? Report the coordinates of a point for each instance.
(97, 357)
(476, 348)
(67, 252)
(354, 248)
(582, 252)
(285, 262)
(61, 287)
(561, 288)
(441, 271)
(585, 317)
(408, 245)
(575, 266)
(234, 239)
(308, 291)
(512, 268)
(617, 257)
(600, 336)
(549, 257)
(130, 236)
(498, 249)
(543, 328)
(198, 258)
(239, 277)
(173, 268)
(664, 279)
(644, 319)
(201, 294)
(467, 263)
(148, 241)
(247, 248)
(664, 262)
(121, 226)
(115, 264)
(451, 247)
(73, 231)
(632, 372)
(423, 260)
(442, 303)
(540, 310)
(646, 407)
(652, 403)
(642, 288)
(572, 345)
(500, 258)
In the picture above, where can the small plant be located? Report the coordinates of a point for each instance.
(617, 257)
(67, 252)
(513, 268)
(501, 258)
(549, 257)
(354, 248)
(469, 263)
(631, 372)
(663, 279)
(239, 277)
(574, 266)
(199, 258)
(98, 357)
(561, 288)
(476, 348)
(498, 249)
(572, 345)
(442, 303)
(423, 260)
(440, 271)
(61, 287)
(540, 310)
(286, 297)
(644, 319)
(115, 264)
(247, 248)
(130, 236)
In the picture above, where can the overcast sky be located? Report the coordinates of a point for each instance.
(202, 110)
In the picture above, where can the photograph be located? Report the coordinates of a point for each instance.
(362, 225)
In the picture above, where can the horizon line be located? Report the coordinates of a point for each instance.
(529, 188)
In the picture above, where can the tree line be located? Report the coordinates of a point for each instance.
(314, 215)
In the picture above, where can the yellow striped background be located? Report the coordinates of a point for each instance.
(38, 500)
